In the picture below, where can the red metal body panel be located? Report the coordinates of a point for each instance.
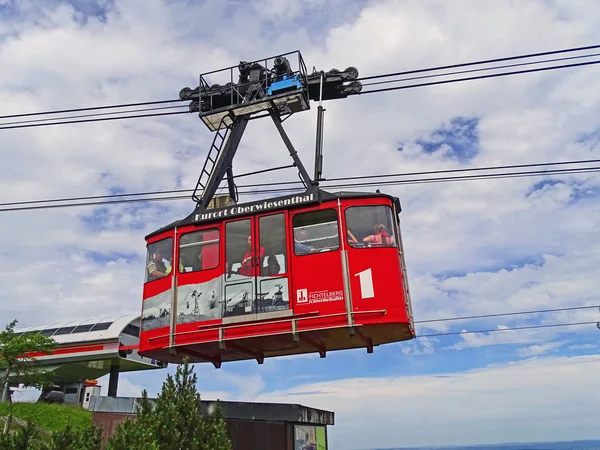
(339, 297)
(376, 276)
(317, 283)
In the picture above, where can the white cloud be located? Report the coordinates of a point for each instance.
(475, 247)
(423, 346)
(521, 401)
(537, 350)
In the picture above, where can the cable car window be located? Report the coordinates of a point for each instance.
(158, 259)
(272, 238)
(238, 248)
(370, 226)
(315, 231)
(199, 250)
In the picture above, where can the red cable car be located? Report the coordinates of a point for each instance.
(310, 272)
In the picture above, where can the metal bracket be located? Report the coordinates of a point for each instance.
(215, 360)
(319, 346)
(259, 356)
(367, 340)
(221, 342)
(295, 335)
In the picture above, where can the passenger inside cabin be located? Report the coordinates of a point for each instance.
(379, 237)
(300, 247)
(197, 261)
(250, 259)
(351, 238)
(156, 267)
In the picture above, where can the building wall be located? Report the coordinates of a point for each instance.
(244, 434)
(109, 422)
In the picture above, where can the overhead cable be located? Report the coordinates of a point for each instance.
(299, 189)
(14, 125)
(354, 177)
(486, 61)
(93, 108)
(529, 327)
(158, 108)
(517, 313)
(4, 127)
(506, 66)
(480, 77)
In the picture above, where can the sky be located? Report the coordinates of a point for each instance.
(472, 248)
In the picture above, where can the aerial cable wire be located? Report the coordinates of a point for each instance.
(438, 180)
(158, 108)
(4, 126)
(431, 172)
(299, 189)
(529, 327)
(94, 108)
(93, 120)
(506, 66)
(485, 316)
(371, 91)
(487, 61)
(480, 77)
(356, 177)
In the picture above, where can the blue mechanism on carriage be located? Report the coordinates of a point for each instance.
(288, 83)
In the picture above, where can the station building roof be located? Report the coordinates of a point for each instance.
(91, 330)
(88, 348)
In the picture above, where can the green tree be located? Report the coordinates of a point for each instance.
(174, 421)
(25, 438)
(17, 365)
(87, 438)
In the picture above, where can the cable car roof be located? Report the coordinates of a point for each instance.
(321, 196)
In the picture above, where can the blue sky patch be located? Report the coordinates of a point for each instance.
(460, 135)
(97, 9)
(590, 138)
(97, 220)
(542, 184)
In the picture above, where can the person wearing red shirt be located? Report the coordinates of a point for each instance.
(250, 259)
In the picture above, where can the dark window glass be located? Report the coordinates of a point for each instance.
(272, 238)
(83, 328)
(315, 231)
(101, 326)
(158, 259)
(64, 330)
(132, 330)
(370, 226)
(199, 250)
(237, 247)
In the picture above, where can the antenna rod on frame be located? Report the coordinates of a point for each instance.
(319, 144)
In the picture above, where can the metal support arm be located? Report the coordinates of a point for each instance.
(223, 166)
(293, 153)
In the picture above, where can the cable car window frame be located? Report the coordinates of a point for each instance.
(295, 227)
(159, 243)
(391, 225)
(265, 240)
(199, 244)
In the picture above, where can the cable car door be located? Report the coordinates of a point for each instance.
(256, 279)
(272, 284)
(240, 262)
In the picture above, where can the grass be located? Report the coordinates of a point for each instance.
(50, 417)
